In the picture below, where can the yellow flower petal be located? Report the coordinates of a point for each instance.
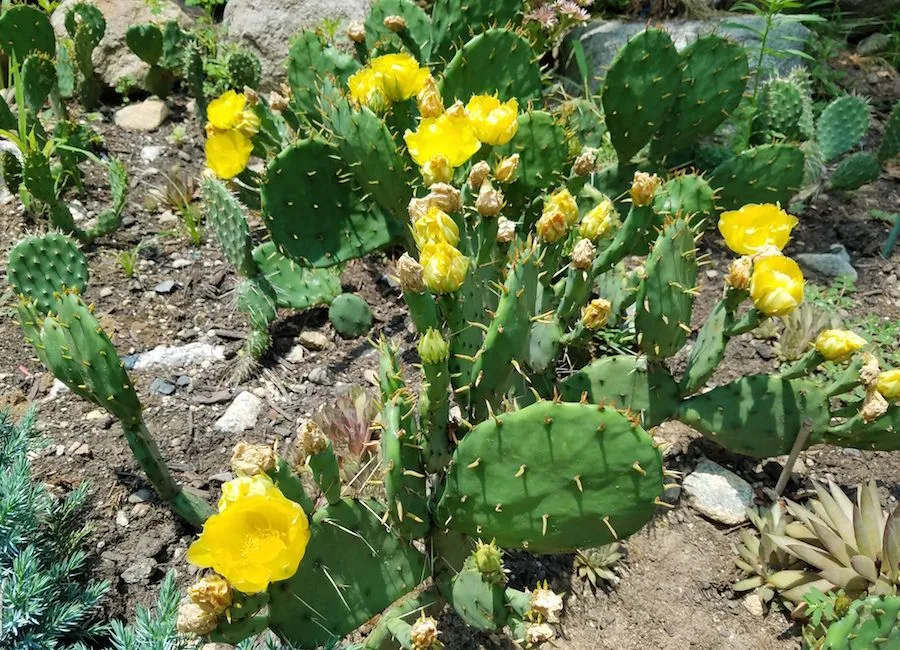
(435, 226)
(401, 76)
(888, 384)
(450, 135)
(443, 267)
(245, 486)
(838, 345)
(756, 225)
(226, 111)
(495, 123)
(563, 201)
(367, 89)
(228, 153)
(600, 221)
(776, 286)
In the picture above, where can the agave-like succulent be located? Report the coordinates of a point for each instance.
(348, 424)
(599, 564)
(769, 568)
(844, 545)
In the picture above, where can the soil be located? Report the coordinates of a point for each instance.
(675, 588)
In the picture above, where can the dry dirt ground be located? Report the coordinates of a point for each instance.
(675, 590)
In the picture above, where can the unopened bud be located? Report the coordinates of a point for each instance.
(595, 314)
(506, 230)
(432, 347)
(489, 562)
(583, 254)
(490, 201)
(251, 95)
(505, 171)
(418, 208)
(424, 634)
(739, 273)
(356, 32)
(585, 163)
(478, 174)
(193, 620)
(212, 594)
(643, 188)
(250, 460)
(278, 102)
(429, 99)
(395, 23)
(437, 170)
(874, 406)
(409, 273)
(444, 196)
(310, 438)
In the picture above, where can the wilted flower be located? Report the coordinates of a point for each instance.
(552, 226)
(444, 196)
(193, 620)
(495, 122)
(583, 254)
(278, 102)
(870, 371)
(410, 274)
(437, 170)
(250, 460)
(563, 201)
(478, 175)
(776, 286)
(599, 221)
(838, 345)
(450, 135)
(417, 208)
(310, 438)
(424, 634)
(435, 226)
(211, 593)
(888, 384)
(537, 634)
(595, 314)
(432, 347)
(505, 171)
(395, 23)
(490, 201)
(739, 272)
(444, 267)
(643, 188)
(585, 163)
(506, 230)
(401, 75)
(545, 604)
(747, 230)
(356, 32)
(874, 406)
(429, 99)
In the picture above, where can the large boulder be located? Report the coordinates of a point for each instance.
(266, 26)
(113, 60)
(602, 39)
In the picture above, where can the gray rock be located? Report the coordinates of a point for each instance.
(178, 356)
(313, 340)
(147, 115)
(140, 572)
(321, 376)
(718, 493)
(166, 286)
(603, 38)
(241, 414)
(835, 264)
(753, 604)
(113, 61)
(181, 263)
(141, 496)
(150, 153)
(266, 26)
(161, 386)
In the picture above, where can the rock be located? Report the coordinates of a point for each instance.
(121, 519)
(321, 376)
(873, 44)
(82, 450)
(241, 414)
(113, 61)
(96, 414)
(141, 496)
(181, 263)
(221, 477)
(106, 292)
(601, 40)
(166, 286)
(267, 26)
(835, 264)
(147, 115)
(161, 386)
(178, 356)
(150, 153)
(879, 9)
(313, 340)
(183, 381)
(140, 510)
(296, 354)
(139, 573)
(718, 493)
(753, 604)
(168, 218)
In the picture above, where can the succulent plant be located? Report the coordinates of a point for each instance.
(598, 565)
(769, 568)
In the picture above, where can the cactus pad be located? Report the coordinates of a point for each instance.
(350, 314)
(496, 62)
(455, 21)
(758, 415)
(686, 195)
(226, 218)
(479, 602)
(872, 623)
(146, 41)
(855, 171)
(708, 350)
(296, 286)
(418, 25)
(890, 140)
(628, 383)
(552, 477)
(244, 70)
(842, 126)
(39, 79)
(404, 474)
(771, 173)
(353, 569)
(26, 30)
(309, 63)
(641, 87)
(40, 267)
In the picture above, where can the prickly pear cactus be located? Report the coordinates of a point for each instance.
(244, 70)
(856, 170)
(40, 267)
(350, 314)
(842, 126)
(871, 623)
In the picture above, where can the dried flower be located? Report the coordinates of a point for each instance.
(583, 254)
(490, 201)
(193, 620)
(211, 593)
(596, 313)
(506, 230)
(444, 196)
(250, 460)
(585, 163)
(396, 24)
(478, 174)
(643, 188)
(409, 274)
(739, 272)
(356, 32)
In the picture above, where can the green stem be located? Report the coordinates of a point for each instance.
(758, 74)
(290, 485)
(848, 380)
(804, 365)
(747, 323)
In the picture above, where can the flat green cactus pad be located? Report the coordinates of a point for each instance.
(25, 30)
(552, 477)
(40, 267)
(771, 173)
(296, 286)
(454, 21)
(418, 24)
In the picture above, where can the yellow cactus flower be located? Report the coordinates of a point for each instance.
(211, 594)
(228, 153)
(888, 384)
(563, 201)
(495, 122)
(450, 135)
(552, 226)
(401, 76)
(599, 221)
(643, 188)
(838, 345)
(249, 123)
(367, 89)
(245, 486)
(505, 171)
(776, 285)
(437, 170)
(436, 226)
(754, 226)
(226, 110)
(255, 541)
(595, 314)
(443, 267)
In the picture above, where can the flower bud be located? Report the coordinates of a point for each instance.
(583, 254)
(443, 267)
(409, 273)
(444, 196)
(506, 230)
(193, 620)
(739, 272)
(310, 438)
(776, 285)
(437, 170)
(250, 460)
(552, 226)
(212, 594)
(418, 208)
(870, 372)
(356, 32)
(489, 562)
(643, 188)
(874, 406)
(595, 314)
(490, 201)
(424, 634)
(429, 99)
(585, 163)
(478, 174)
(888, 384)
(433, 349)
(537, 634)
(545, 604)
(396, 24)
(505, 171)
(563, 201)
(838, 345)
(599, 221)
